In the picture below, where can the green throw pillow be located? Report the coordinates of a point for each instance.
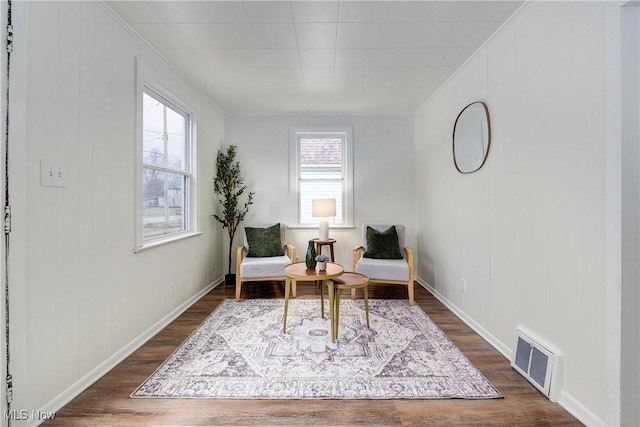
(264, 242)
(382, 244)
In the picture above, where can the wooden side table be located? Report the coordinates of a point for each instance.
(351, 281)
(298, 271)
(320, 243)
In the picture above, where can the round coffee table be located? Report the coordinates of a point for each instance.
(298, 271)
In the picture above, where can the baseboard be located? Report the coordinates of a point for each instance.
(578, 410)
(568, 402)
(495, 342)
(99, 371)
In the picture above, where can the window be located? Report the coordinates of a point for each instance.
(165, 171)
(321, 168)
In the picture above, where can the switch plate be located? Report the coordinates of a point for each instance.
(172, 290)
(463, 286)
(52, 174)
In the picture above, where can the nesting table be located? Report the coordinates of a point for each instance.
(349, 281)
(336, 280)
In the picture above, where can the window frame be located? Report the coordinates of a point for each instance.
(146, 83)
(346, 133)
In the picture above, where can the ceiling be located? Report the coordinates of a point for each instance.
(316, 56)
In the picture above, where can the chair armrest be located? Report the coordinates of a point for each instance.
(290, 251)
(239, 257)
(409, 253)
(357, 253)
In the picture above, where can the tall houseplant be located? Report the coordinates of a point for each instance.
(229, 185)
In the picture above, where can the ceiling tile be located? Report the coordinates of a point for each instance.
(222, 11)
(357, 35)
(381, 35)
(315, 11)
(317, 75)
(284, 75)
(361, 11)
(379, 74)
(275, 35)
(233, 35)
(387, 57)
(317, 58)
(268, 11)
(348, 75)
(407, 11)
(267, 58)
(352, 57)
(316, 35)
(398, 35)
(177, 12)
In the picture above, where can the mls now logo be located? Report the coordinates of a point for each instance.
(24, 415)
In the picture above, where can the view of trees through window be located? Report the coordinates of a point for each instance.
(165, 167)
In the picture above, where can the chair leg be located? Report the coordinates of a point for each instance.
(238, 286)
(411, 299)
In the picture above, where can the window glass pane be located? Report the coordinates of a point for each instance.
(164, 203)
(164, 132)
(176, 137)
(310, 190)
(321, 158)
(152, 131)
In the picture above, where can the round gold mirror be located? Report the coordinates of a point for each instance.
(471, 137)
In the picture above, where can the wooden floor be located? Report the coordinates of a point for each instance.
(107, 402)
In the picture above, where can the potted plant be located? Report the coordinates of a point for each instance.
(322, 260)
(229, 185)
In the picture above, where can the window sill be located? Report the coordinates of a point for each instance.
(315, 227)
(156, 243)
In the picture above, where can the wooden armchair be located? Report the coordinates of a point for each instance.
(263, 255)
(383, 256)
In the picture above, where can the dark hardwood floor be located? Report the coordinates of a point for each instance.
(107, 402)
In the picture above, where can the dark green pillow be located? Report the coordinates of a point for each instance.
(264, 242)
(382, 244)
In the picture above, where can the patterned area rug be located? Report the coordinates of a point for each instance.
(240, 352)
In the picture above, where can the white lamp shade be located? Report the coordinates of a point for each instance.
(323, 208)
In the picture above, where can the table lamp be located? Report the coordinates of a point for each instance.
(323, 209)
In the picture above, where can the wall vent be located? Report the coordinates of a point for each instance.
(535, 361)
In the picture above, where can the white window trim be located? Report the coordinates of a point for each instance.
(146, 78)
(347, 167)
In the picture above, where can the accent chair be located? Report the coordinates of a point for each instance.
(383, 256)
(263, 255)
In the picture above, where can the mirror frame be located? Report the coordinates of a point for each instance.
(486, 153)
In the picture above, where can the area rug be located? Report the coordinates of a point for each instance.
(240, 352)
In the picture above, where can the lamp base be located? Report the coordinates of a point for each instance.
(324, 230)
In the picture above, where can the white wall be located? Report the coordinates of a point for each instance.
(527, 231)
(79, 294)
(383, 172)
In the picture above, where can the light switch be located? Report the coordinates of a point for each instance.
(52, 174)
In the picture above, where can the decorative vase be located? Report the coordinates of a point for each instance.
(310, 258)
(322, 265)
